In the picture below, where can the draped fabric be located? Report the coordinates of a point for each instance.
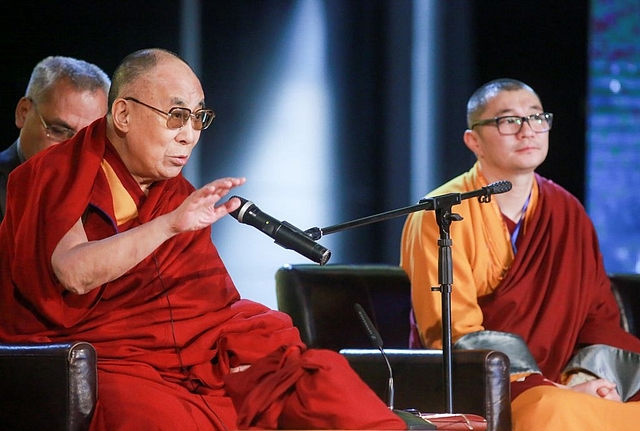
(557, 295)
(169, 330)
(549, 408)
(554, 292)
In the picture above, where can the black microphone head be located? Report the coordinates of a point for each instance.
(238, 214)
(372, 332)
(324, 257)
(499, 187)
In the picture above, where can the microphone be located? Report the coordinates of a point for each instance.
(411, 417)
(483, 194)
(284, 234)
(376, 340)
(486, 192)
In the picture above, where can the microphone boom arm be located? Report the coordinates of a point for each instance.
(426, 204)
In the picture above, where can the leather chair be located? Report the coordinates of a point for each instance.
(626, 289)
(49, 387)
(320, 301)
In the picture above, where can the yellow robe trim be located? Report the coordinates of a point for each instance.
(123, 204)
(481, 253)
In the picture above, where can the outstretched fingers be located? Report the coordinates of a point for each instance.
(221, 187)
(202, 207)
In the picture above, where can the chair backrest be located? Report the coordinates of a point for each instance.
(626, 289)
(321, 300)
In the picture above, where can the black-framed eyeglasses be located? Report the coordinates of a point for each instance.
(177, 117)
(511, 124)
(54, 132)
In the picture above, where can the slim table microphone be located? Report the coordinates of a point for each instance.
(413, 421)
(376, 340)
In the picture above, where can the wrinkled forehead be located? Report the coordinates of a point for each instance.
(171, 82)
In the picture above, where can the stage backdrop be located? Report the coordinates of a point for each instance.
(613, 176)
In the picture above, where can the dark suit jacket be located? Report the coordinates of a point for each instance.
(9, 160)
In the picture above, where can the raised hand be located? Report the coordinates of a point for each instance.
(201, 208)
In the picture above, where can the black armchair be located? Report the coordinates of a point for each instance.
(320, 301)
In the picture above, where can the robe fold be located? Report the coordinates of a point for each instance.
(169, 330)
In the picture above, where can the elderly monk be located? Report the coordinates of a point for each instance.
(113, 246)
(529, 278)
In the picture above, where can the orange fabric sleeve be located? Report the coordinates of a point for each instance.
(481, 254)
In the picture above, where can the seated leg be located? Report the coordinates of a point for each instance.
(553, 408)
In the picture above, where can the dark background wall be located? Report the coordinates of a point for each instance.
(543, 43)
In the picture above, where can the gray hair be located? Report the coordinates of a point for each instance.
(481, 97)
(83, 76)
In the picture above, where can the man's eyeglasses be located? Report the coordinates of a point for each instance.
(54, 132)
(511, 124)
(177, 117)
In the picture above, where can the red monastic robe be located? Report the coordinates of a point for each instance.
(168, 331)
(557, 294)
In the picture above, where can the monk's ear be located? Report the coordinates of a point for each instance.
(471, 140)
(22, 109)
(120, 114)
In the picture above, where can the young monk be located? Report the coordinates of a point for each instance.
(529, 278)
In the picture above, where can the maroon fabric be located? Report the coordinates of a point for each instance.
(278, 383)
(557, 295)
(168, 331)
(529, 382)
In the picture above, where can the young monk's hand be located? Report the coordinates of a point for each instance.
(601, 388)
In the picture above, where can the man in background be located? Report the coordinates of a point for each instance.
(64, 95)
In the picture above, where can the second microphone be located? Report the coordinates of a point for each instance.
(284, 234)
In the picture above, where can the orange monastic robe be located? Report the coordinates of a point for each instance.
(554, 293)
(169, 330)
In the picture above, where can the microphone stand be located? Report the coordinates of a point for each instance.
(444, 217)
(442, 206)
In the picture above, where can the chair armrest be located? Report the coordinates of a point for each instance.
(47, 386)
(480, 381)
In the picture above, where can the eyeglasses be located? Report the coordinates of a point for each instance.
(177, 117)
(54, 132)
(511, 125)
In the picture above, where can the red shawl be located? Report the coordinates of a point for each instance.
(557, 295)
(168, 331)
